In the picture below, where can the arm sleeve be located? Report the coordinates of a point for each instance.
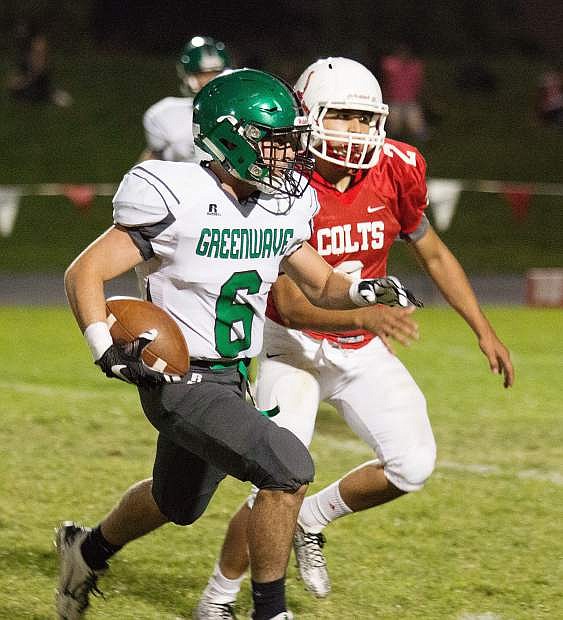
(413, 199)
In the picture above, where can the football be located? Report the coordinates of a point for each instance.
(128, 317)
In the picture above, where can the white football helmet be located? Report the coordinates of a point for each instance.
(343, 84)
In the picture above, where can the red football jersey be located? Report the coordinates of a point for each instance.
(354, 230)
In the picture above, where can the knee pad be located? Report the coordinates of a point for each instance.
(281, 461)
(181, 512)
(411, 470)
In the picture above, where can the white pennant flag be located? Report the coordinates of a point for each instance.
(9, 204)
(443, 195)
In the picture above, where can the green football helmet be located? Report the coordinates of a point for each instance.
(252, 124)
(201, 59)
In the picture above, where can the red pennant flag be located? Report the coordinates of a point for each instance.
(518, 197)
(81, 196)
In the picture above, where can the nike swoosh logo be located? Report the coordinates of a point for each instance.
(269, 355)
(116, 370)
(374, 209)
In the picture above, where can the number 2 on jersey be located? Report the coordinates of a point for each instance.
(233, 315)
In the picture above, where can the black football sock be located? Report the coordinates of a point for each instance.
(269, 599)
(96, 550)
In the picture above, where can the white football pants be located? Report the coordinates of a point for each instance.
(369, 387)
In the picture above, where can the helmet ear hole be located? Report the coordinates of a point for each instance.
(228, 144)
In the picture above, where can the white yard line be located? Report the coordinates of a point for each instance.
(473, 468)
(354, 446)
(555, 477)
(486, 616)
(51, 391)
(479, 469)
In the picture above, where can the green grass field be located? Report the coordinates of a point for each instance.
(483, 540)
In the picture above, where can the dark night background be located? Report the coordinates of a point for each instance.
(484, 60)
(279, 35)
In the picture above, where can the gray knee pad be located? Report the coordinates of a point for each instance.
(280, 461)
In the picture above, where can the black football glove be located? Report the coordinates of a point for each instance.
(124, 362)
(387, 291)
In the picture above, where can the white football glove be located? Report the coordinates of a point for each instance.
(387, 291)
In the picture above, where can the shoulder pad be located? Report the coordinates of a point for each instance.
(144, 195)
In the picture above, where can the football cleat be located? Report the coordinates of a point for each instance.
(208, 609)
(311, 561)
(76, 579)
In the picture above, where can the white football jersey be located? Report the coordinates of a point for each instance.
(210, 260)
(168, 130)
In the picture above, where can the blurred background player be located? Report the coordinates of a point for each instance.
(168, 123)
(371, 190)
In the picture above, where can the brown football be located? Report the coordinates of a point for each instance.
(128, 317)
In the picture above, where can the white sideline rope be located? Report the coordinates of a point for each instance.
(468, 185)
(59, 189)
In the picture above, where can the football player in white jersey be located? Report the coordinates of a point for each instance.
(168, 123)
(371, 190)
(209, 241)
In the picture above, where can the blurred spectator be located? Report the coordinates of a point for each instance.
(403, 79)
(32, 79)
(549, 103)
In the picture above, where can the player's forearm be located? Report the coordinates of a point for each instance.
(335, 294)
(321, 285)
(330, 289)
(109, 256)
(297, 312)
(85, 292)
(307, 316)
(450, 278)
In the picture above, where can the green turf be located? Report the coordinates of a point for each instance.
(484, 537)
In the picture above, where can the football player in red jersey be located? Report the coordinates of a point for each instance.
(371, 190)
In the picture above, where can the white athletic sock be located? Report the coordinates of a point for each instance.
(322, 508)
(220, 589)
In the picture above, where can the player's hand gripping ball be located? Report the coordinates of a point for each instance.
(149, 347)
